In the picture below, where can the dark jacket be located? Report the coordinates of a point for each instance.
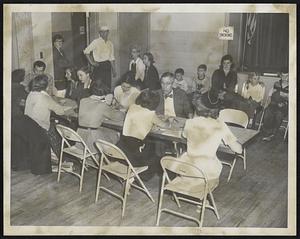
(60, 62)
(80, 93)
(151, 78)
(182, 105)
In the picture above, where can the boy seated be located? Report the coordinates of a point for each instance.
(179, 82)
(202, 81)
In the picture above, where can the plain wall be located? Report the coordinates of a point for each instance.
(187, 40)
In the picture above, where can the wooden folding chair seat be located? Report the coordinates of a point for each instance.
(194, 191)
(240, 118)
(83, 154)
(120, 166)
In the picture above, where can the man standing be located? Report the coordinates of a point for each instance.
(173, 102)
(103, 58)
(60, 63)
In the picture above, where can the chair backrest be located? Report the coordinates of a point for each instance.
(181, 168)
(108, 149)
(233, 116)
(68, 133)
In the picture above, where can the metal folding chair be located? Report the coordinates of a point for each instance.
(121, 167)
(239, 118)
(67, 135)
(195, 192)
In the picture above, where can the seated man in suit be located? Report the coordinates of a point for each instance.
(173, 103)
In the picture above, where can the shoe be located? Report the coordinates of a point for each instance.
(268, 138)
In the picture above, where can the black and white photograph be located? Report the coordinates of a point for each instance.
(149, 119)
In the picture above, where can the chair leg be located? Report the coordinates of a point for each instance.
(214, 205)
(176, 200)
(202, 211)
(81, 175)
(244, 158)
(285, 133)
(231, 169)
(144, 187)
(60, 161)
(161, 195)
(98, 183)
(125, 197)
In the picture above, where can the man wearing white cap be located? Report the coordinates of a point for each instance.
(102, 58)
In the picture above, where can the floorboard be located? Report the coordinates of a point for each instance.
(256, 197)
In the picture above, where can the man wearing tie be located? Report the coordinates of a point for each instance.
(173, 102)
(103, 58)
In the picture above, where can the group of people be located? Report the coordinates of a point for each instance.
(142, 99)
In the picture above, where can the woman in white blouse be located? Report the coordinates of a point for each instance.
(126, 93)
(139, 120)
(204, 134)
(39, 106)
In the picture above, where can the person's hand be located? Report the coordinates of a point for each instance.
(280, 104)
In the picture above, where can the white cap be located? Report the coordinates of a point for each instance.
(104, 28)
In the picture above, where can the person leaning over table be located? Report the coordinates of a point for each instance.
(139, 120)
(204, 134)
(39, 69)
(92, 112)
(38, 107)
(126, 93)
(83, 88)
(102, 58)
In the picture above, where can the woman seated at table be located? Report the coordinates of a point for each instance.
(204, 134)
(93, 111)
(82, 91)
(126, 93)
(140, 119)
(72, 81)
(38, 108)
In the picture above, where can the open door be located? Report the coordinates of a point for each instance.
(133, 29)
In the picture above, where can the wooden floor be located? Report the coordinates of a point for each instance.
(256, 197)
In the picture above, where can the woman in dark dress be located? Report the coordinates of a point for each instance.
(151, 78)
(223, 83)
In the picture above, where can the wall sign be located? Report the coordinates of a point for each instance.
(226, 33)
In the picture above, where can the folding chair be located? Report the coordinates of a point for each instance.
(239, 118)
(67, 135)
(121, 167)
(195, 193)
(285, 127)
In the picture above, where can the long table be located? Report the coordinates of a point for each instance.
(244, 136)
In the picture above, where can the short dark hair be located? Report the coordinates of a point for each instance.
(85, 69)
(39, 64)
(167, 74)
(128, 78)
(208, 112)
(98, 88)
(179, 71)
(148, 99)
(40, 83)
(202, 66)
(17, 75)
(225, 58)
(150, 57)
(57, 37)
